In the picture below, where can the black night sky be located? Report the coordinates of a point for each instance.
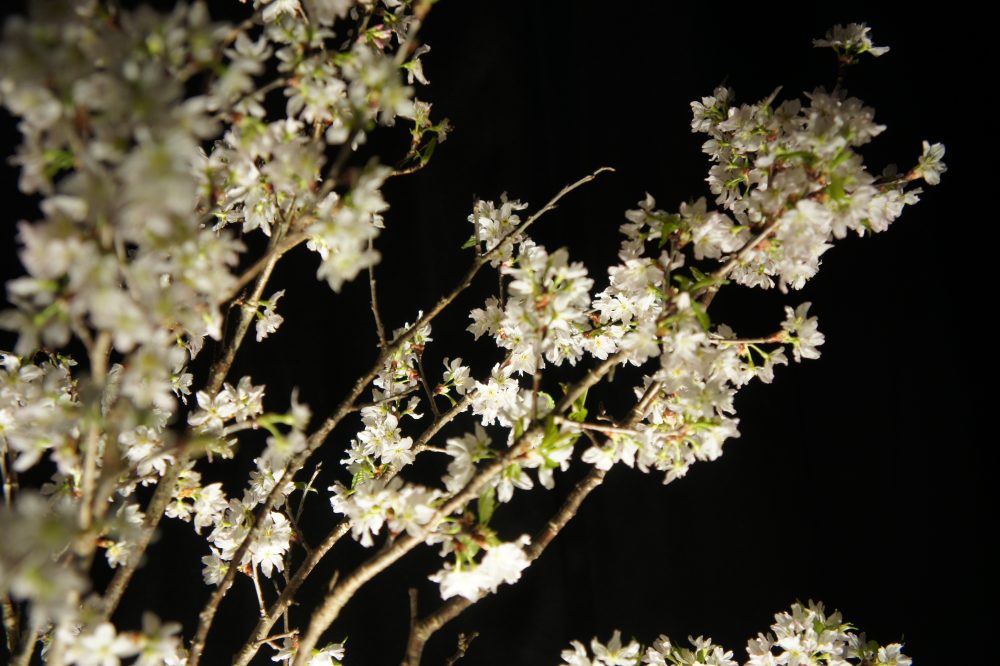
(859, 479)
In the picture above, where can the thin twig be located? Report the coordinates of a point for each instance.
(334, 602)
(296, 530)
(305, 491)
(388, 398)
(372, 288)
(720, 274)
(256, 587)
(422, 630)
(195, 66)
(98, 355)
(464, 643)
(485, 258)
(27, 647)
(291, 589)
(427, 387)
(7, 474)
(11, 620)
(270, 639)
(254, 270)
(596, 427)
(346, 588)
(778, 336)
(165, 488)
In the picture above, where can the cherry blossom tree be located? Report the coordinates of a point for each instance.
(182, 158)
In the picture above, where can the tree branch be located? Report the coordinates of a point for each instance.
(296, 463)
(421, 630)
(165, 488)
(284, 600)
(338, 597)
(372, 288)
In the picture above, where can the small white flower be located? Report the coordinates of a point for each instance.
(852, 39)
(268, 321)
(614, 653)
(930, 164)
(803, 332)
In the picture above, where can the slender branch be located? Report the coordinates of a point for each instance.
(7, 474)
(207, 614)
(297, 532)
(372, 288)
(536, 378)
(194, 66)
(596, 427)
(284, 600)
(349, 585)
(98, 354)
(422, 376)
(256, 586)
(388, 398)
(779, 336)
(408, 170)
(305, 491)
(269, 639)
(220, 369)
(165, 488)
(486, 257)
(422, 630)
(278, 608)
(27, 647)
(11, 620)
(249, 274)
(157, 505)
(734, 260)
(464, 643)
(340, 594)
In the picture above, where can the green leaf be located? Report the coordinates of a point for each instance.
(702, 316)
(486, 505)
(579, 413)
(518, 430)
(469, 243)
(56, 161)
(428, 151)
(546, 402)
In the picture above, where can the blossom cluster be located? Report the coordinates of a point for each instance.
(150, 196)
(147, 192)
(803, 636)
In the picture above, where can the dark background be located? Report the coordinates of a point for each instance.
(860, 479)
